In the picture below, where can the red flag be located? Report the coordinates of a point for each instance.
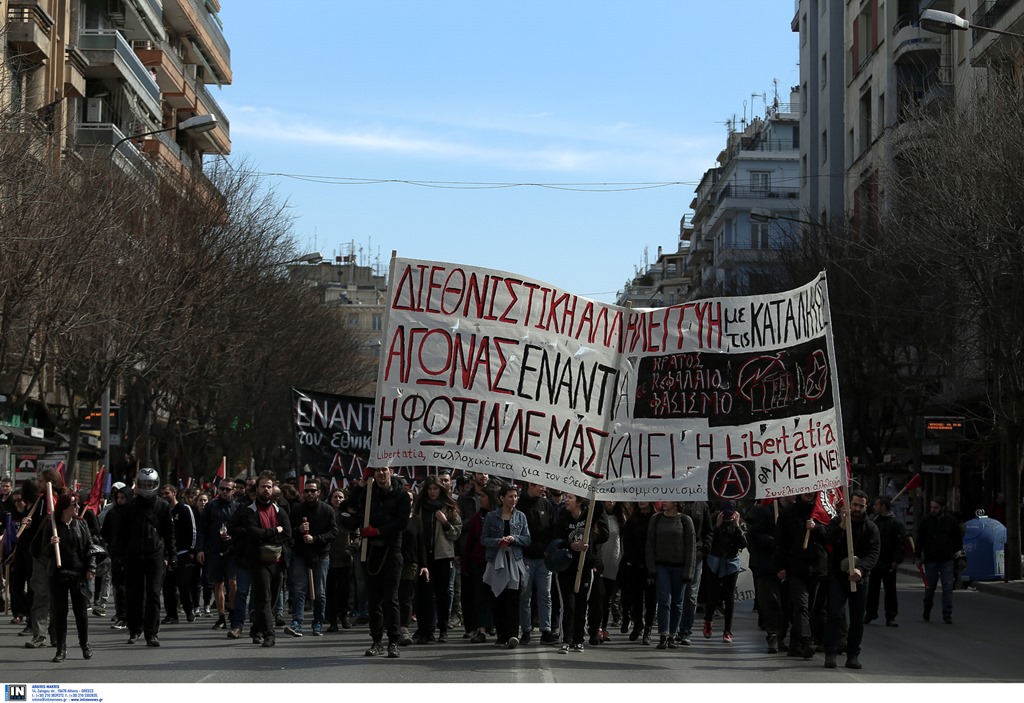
(828, 505)
(61, 469)
(914, 482)
(302, 482)
(222, 470)
(95, 493)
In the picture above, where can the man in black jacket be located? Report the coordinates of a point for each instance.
(388, 517)
(180, 578)
(938, 540)
(891, 539)
(146, 545)
(768, 592)
(314, 529)
(540, 519)
(843, 577)
(802, 569)
(213, 544)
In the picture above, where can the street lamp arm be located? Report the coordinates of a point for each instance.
(939, 22)
(197, 124)
(122, 140)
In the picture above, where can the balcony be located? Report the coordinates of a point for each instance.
(171, 75)
(1003, 15)
(100, 138)
(75, 66)
(219, 137)
(110, 56)
(28, 29)
(908, 38)
(731, 191)
(192, 18)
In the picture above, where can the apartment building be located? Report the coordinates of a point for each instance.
(94, 73)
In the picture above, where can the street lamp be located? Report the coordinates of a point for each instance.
(196, 125)
(311, 258)
(940, 22)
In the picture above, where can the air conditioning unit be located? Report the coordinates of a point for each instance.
(96, 110)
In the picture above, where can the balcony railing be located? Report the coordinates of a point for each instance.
(989, 13)
(207, 99)
(111, 40)
(212, 28)
(731, 191)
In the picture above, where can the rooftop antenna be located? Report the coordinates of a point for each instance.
(744, 122)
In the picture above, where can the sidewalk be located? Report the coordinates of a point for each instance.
(1008, 589)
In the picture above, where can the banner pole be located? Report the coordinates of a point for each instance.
(586, 540)
(366, 518)
(53, 519)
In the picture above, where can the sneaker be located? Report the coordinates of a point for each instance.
(295, 629)
(26, 631)
(595, 640)
(346, 624)
(393, 652)
(563, 648)
(36, 643)
(603, 635)
(153, 641)
(625, 627)
(707, 630)
(663, 642)
(318, 630)
(404, 640)
(119, 625)
(830, 661)
(257, 638)
(948, 619)
(170, 620)
(99, 611)
(133, 637)
(547, 638)
(773, 644)
(376, 650)
(278, 621)
(853, 663)
(512, 643)
(891, 622)
(646, 641)
(234, 633)
(525, 639)
(672, 644)
(191, 616)
(442, 636)
(727, 637)
(333, 627)
(478, 638)
(206, 610)
(635, 634)
(684, 641)
(221, 624)
(269, 641)
(578, 647)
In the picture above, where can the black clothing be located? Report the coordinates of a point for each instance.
(323, 526)
(938, 538)
(891, 541)
(865, 545)
(703, 527)
(790, 554)
(540, 519)
(216, 514)
(144, 542)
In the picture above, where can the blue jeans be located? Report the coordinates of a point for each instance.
(239, 609)
(537, 578)
(690, 591)
(669, 581)
(933, 571)
(299, 579)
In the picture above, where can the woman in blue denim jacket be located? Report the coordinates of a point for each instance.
(505, 533)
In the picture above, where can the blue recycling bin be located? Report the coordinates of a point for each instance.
(984, 543)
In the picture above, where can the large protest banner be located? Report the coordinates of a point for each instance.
(332, 433)
(720, 398)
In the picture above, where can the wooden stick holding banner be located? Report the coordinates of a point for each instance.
(851, 558)
(586, 540)
(24, 525)
(53, 519)
(366, 517)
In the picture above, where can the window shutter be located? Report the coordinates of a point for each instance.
(856, 44)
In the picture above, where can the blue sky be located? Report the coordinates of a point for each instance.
(467, 92)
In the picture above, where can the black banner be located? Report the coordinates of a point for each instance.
(333, 433)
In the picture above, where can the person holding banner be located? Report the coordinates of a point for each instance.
(571, 526)
(801, 563)
(504, 535)
(41, 564)
(847, 582)
(74, 566)
(381, 529)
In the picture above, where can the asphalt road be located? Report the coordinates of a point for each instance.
(983, 645)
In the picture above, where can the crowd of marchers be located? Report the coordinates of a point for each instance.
(478, 559)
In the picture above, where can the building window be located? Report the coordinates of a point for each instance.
(824, 70)
(865, 122)
(824, 145)
(377, 323)
(761, 180)
(759, 235)
(804, 99)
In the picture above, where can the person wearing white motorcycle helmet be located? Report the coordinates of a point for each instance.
(147, 545)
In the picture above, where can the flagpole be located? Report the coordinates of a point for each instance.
(53, 519)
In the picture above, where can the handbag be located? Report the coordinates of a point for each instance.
(270, 553)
